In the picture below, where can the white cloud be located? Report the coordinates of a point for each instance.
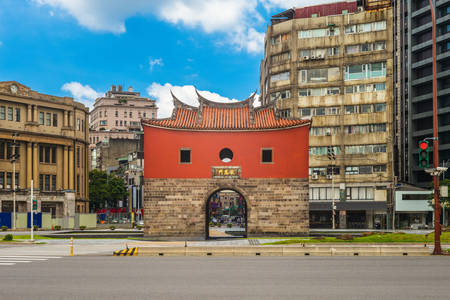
(186, 93)
(81, 93)
(155, 62)
(236, 20)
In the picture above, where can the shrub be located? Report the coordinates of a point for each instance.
(139, 227)
(82, 227)
(112, 227)
(229, 225)
(8, 237)
(4, 228)
(57, 227)
(211, 224)
(219, 224)
(35, 227)
(367, 233)
(346, 237)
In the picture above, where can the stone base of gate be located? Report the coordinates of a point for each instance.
(175, 209)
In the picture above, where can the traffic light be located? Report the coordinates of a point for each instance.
(424, 154)
(35, 204)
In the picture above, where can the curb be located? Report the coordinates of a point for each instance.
(275, 251)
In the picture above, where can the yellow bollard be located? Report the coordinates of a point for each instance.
(71, 246)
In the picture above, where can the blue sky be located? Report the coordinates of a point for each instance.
(79, 48)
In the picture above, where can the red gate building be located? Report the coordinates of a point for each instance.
(225, 146)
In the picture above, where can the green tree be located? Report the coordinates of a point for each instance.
(105, 190)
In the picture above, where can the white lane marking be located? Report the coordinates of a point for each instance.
(15, 261)
(7, 264)
(28, 256)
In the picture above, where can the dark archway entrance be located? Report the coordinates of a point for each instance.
(226, 215)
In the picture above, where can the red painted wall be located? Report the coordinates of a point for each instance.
(325, 9)
(162, 146)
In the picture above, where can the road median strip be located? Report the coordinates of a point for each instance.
(332, 250)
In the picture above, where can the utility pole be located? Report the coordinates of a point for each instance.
(437, 207)
(332, 157)
(13, 159)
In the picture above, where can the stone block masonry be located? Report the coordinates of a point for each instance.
(176, 208)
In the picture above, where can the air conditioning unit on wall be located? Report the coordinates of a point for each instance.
(305, 57)
(329, 176)
(314, 176)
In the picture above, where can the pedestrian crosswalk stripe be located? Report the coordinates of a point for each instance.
(10, 260)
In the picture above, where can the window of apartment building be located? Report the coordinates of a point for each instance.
(369, 128)
(100, 114)
(280, 57)
(2, 113)
(355, 170)
(280, 77)
(323, 150)
(78, 184)
(48, 119)
(55, 120)
(47, 182)
(322, 171)
(17, 114)
(41, 118)
(139, 114)
(125, 114)
(323, 193)
(285, 113)
(286, 94)
(124, 123)
(121, 122)
(131, 114)
(8, 180)
(2, 150)
(145, 115)
(318, 53)
(47, 154)
(377, 46)
(10, 113)
(320, 32)
(365, 149)
(2, 180)
(106, 113)
(266, 156)
(78, 156)
(280, 38)
(363, 88)
(82, 125)
(365, 71)
(103, 122)
(185, 156)
(116, 113)
(379, 107)
(117, 123)
(319, 111)
(319, 75)
(319, 91)
(366, 27)
(153, 115)
(78, 124)
(359, 193)
(321, 131)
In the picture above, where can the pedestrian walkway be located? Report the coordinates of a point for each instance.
(10, 260)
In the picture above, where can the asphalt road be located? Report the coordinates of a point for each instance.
(101, 277)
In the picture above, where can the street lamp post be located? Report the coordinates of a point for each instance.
(13, 161)
(437, 207)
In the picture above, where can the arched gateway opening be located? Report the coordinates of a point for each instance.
(226, 215)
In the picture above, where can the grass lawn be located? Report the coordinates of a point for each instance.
(373, 238)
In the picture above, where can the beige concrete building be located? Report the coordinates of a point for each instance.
(118, 116)
(50, 137)
(333, 63)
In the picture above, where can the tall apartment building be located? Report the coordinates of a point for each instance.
(49, 136)
(414, 82)
(118, 116)
(334, 63)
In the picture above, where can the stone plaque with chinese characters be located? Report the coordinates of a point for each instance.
(226, 172)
